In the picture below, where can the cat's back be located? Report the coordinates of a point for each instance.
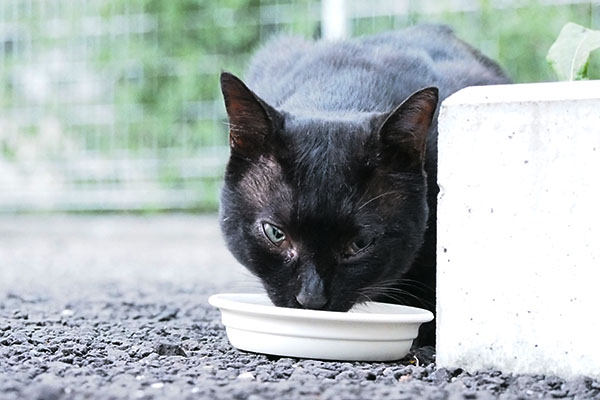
(370, 73)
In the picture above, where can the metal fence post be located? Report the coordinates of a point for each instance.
(334, 19)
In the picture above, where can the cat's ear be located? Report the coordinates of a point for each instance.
(251, 120)
(403, 134)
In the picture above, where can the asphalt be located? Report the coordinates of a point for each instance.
(115, 307)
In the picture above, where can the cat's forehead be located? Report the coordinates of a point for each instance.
(330, 122)
(326, 153)
(327, 138)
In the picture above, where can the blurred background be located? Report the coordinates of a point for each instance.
(114, 105)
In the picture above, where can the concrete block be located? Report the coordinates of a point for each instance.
(519, 229)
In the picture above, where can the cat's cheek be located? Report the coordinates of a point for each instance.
(281, 256)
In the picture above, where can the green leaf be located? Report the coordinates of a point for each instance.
(569, 55)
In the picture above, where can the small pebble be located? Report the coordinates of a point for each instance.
(246, 376)
(67, 313)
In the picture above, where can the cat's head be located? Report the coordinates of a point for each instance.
(325, 209)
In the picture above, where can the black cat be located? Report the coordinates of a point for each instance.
(330, 190)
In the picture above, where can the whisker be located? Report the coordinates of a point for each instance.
(388, 292)
(378, 197)
(361, 296)
(410, 283)
(413, 281)
(396, 298)
(395, 294)
(412, 288)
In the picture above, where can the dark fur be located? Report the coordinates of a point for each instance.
(329, 146)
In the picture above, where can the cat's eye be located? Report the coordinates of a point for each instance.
(358, 245)
(273, 233)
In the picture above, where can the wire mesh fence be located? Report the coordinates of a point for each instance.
(115, 104)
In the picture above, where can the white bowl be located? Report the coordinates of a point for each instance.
(368, 332)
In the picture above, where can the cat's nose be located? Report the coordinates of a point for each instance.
(313, 301)
(312, 291)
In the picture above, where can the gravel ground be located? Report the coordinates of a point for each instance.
(115, 307)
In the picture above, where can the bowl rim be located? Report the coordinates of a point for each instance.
(229, 302)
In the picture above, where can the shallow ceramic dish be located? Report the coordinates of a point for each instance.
(368, 332)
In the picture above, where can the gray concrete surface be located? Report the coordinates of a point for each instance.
(50, 252)
(529, 210)
(114, 307)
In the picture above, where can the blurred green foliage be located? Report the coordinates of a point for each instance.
(163, 75)
(517, 37)
(175, 67)
(570, 54)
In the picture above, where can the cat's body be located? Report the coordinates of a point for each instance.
(331, 181)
